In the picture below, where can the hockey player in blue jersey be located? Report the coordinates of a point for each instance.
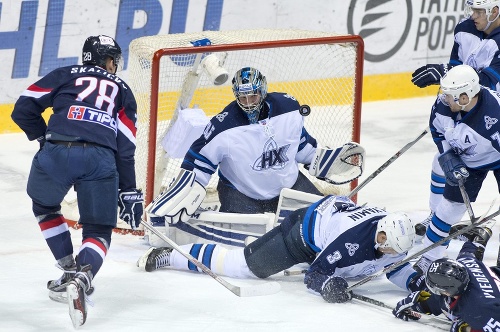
(465, 290)
(465, 128)
(477, 44)
(340, 240)
(88, 143)
(257, 143)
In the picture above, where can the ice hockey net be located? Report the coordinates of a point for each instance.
(320, 69)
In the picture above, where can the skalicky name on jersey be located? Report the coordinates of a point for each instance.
(98, 70)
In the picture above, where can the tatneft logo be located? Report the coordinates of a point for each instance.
(371, 20)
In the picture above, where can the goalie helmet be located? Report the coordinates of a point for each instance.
(447, 277)
(97, 49)
(399, 230)
(250, 90)
(460, 79)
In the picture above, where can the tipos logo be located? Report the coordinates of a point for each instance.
(372, 19)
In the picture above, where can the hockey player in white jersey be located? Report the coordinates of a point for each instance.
(465, 128)
(477, 44)
(340, 240)
(256, 143)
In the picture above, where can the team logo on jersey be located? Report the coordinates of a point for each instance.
(469, 151)
(370, 269)
(489, 122)
(335, 257)
(273, 156)
(81, 113)
(351, 248)
(221, 116)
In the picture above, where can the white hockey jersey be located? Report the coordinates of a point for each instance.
(257, 159)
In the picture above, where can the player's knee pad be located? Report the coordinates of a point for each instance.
(41, 211)
(268, 255)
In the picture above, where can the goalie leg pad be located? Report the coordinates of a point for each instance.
(180, 200)
(279, 249)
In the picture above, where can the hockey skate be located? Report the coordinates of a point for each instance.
(57, 288)
(422, 265)
(77, 297)
(480, 237)
(421, 227)
(155, 258)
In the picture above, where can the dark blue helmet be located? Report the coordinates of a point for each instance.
(97, 49)
(447, 277)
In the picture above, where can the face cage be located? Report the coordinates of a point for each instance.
(250, 108)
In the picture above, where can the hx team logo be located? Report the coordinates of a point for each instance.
(351, 248)
(273, 156)
(371, 19)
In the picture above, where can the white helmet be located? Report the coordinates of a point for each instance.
(487, 5)
(400, 231)
(460, 79)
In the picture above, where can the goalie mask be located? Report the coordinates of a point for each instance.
(399, 230)
(447, 277)
(98, 49)
(250, 90)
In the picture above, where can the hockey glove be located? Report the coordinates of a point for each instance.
(459, 326)
(335, 290)
(405, 308)
(453, 167)
(429, 75)
(315, 280)
(130, 207)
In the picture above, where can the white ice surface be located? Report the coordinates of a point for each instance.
(128, 299)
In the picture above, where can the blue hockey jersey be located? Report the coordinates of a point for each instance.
(89, 105)
(478, 50)
(479, 304)
(473, 135)
(345, 242)
(257, 159)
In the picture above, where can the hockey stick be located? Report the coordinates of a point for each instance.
(266, 288)
(466, 199)
(428, 319)
(394, 266)
(387, 163)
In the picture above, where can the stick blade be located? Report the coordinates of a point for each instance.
(262, 289)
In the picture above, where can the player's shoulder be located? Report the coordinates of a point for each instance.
(281, 103)
(230, 117)
(468, 26)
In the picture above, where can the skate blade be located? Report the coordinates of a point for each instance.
(141, 262)
(61, 297)
(75, 306)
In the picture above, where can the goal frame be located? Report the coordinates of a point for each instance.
(155, 85)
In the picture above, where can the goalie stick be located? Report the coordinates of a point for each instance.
(387, 163)
(390, 268)
(266, 288)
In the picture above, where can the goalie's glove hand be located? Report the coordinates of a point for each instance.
(335, 290)
(130, 206)
(460, 326)
(406, 307)
(453, 167)
(429, 75)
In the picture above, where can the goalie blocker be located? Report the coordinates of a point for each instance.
(338, 166)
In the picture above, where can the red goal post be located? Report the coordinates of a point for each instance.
(168, 73)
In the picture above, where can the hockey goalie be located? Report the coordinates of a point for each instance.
(256, 144)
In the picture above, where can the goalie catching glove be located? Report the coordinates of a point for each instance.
(338, 166)
(180, 201)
